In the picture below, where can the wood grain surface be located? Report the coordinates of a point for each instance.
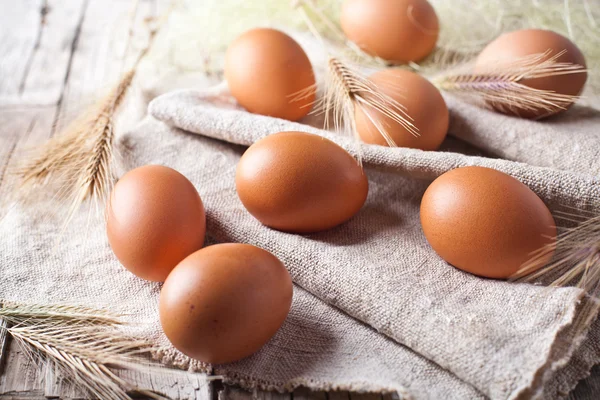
(55, 55)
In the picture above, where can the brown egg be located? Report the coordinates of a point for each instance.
(485, 222)
(395, 30)
(298, 182)
(266, 70)
(155, 218)
(423, 103)
(513, 46)
(224, 302)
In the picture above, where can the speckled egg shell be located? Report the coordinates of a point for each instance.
(155, 218)
(224, 302)
(485, 222)
(266, 70)
(299, 182)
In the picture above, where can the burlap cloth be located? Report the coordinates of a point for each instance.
(375, 309)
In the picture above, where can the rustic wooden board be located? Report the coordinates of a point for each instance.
(176, 385)
(20, 375)
(339, 395)
(20, 30)
(366, 396)
(305, 394)
(47, 68)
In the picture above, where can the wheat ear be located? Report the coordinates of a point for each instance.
(17, 313)
(345, 90)
(83, 343)
(576, 262)
(79, 161)
(502, 87)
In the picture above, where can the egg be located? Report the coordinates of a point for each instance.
(268, 73)
(514, 46)
(155, 218)
(423, 102)
(224, 302)
(299, 182)
(486, 222)
(399, 31)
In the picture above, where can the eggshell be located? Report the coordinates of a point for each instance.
(266, 70)
(395, 30)
(155, 218)
(485, 222)
(299, 182)
(513, 46)
(224, 302)
(423, 103)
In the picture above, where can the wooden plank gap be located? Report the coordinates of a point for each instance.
(73, 47)
(36, 45)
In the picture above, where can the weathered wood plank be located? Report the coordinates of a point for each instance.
(103, 47)
(176, 385)
(338, 395)
(21, 375)
(274, 396)
(236, 393)
(365, 396)
(19, 30)
(303, 393)
(43, 80)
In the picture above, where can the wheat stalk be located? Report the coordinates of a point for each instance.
(83, 343)
(79, 161)
(576, 262)
(345, 89)
(17, 313)
(501, 86)
(577, 257)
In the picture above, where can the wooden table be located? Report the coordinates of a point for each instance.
(54, 56)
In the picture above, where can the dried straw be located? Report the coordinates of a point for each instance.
(466, 27)
(78, 163)
(576, 263)
(503, 87)
(17, 313)
(346, 89)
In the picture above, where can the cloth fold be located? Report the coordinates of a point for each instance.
(375, 309)
(379, 268)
